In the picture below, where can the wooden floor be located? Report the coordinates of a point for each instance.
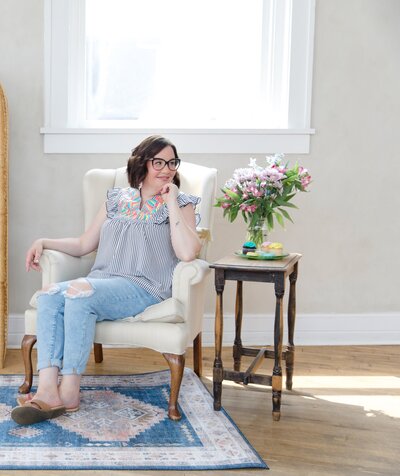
(342, 418)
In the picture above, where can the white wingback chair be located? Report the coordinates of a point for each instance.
(168, 327)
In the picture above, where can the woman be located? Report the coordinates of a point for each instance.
(140, 233)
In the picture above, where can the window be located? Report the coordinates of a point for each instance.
(204, 72)
(228, 76)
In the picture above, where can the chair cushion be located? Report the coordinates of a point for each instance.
(170, 310)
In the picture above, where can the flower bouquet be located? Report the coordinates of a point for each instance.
(262, 194)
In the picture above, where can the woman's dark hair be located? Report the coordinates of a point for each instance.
(147, 149)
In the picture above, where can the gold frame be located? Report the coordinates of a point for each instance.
(3, 226)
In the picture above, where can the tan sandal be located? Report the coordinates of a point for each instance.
(22, 399)
(35, 411)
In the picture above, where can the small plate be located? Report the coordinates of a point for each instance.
(261, 255)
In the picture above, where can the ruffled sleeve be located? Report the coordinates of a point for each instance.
(112, 201)
(183, 199)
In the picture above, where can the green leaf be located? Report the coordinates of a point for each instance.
(285, 214)
(279, 219)
(290, 205)
(233, 195)
(289, 196)
(234, 213)
(270, 221)
(279, 201)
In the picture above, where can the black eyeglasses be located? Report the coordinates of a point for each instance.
(159, 164)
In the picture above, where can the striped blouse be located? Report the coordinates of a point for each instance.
(135, 242)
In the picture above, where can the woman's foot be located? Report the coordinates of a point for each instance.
(22, 399)
(69, 391)
(54, 395)
(47, 393)
(52, 399)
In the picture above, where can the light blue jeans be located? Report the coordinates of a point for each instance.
(66, 323)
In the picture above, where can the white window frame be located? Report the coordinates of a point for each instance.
(64, 58)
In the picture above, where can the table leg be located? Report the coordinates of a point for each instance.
(218, 371)
(278, 334)
(291, 323)
(237, 347)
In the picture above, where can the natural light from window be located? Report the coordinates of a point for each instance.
(376, 394)
(192, 64)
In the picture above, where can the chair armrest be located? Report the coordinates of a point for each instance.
(57, 266)
(188, 286)
(186, 274)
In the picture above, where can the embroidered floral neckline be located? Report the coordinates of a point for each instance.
(129, 205)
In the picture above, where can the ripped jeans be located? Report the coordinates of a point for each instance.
(67, 314)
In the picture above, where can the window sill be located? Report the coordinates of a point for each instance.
(188, 141)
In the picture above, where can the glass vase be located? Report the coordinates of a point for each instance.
(258, 233)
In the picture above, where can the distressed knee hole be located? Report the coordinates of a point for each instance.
(49, 289)
(78, 289)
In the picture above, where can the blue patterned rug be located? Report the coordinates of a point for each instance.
(123, 424)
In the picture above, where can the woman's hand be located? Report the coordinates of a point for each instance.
(33, 256)
(169, 193)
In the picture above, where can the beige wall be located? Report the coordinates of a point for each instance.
(347, 227)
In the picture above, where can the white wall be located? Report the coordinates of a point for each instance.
(347, 227)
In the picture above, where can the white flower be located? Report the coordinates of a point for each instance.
(253, 162)
(230, 183)
(275, 159)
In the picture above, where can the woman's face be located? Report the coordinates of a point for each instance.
(157, 178)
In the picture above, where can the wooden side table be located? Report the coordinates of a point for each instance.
(239, 269)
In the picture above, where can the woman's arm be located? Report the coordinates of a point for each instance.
(184, 238)
(84, 244)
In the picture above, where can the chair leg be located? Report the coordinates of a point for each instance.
(197, 355)
(26, 348)
(98, 353)
(176, 364)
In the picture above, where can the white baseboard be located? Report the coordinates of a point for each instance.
(311, 329)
